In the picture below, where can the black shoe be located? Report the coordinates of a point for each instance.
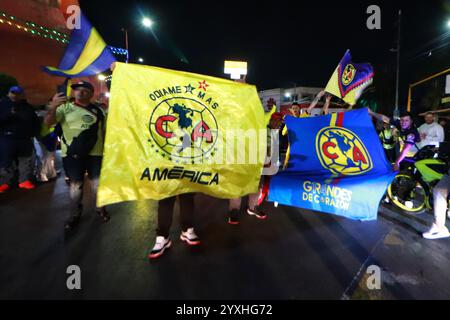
(233, 217)
(103, 214)
(258, 214)
(72, 222)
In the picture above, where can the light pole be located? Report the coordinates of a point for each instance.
(147, 23)
(397, 80)
(101, 78)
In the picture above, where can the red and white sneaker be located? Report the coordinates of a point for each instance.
(160, 246)
(190, 237)
(4, 188)
(27, 185)
(258, 214)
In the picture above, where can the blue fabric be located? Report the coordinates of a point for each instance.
(75, 50)
(102, 63)
(364, 71)
(78, 39)
(334, 167)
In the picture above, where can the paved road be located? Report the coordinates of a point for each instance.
(295, 254)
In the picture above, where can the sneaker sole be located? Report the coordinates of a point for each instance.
(431, 237)
(159, 254)
(189, 242)
(258, 217)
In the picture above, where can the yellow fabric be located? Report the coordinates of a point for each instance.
(142, 108)
(45, 130)
(92, 50)
(333, 87)
(333, 120)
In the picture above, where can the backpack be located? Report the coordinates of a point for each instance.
(82, 145)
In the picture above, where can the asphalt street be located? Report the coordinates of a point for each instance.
(294, 254)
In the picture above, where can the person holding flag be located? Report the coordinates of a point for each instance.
(83, 131)
(408, 136)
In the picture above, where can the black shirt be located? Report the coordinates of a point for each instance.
(18, 120)
(407, 136)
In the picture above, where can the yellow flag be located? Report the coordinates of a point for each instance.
(349, 79)
(170, 132)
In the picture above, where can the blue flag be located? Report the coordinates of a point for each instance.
(350, 79)
(86, 54)
(336, 165)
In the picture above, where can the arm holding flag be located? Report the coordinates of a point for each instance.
(380, 117)
(316, 100)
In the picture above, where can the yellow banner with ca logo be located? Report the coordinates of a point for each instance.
(170, 132)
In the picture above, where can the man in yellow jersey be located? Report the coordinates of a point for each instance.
(83, 127)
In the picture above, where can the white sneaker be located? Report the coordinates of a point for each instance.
(436, 233)
(409, 204)
(160, 246)
(190, 237)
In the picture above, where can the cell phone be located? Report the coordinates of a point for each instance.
(62, 88)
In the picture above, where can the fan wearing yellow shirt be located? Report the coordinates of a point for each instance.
(83, 127)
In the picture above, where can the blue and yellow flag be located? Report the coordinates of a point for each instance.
(86, 54)
(349, 80)
(170, 132)
(336, 165)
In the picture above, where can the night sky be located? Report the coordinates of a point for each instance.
(284, 42)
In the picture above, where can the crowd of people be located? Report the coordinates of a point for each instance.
(401, 141)
(29, 140)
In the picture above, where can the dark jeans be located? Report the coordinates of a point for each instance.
(165, 213)
(18, 151)
(76, 169)
(390, 154)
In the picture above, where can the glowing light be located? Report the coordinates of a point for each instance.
(147, 22)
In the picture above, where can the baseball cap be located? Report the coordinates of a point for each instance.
(82, 84)
(16, 89)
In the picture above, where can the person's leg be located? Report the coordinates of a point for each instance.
(165, 214)
(25, 163)
(93, 167)
(187, 219)
(6, 164)
(440, 194)
(253, 208)
(186, 210)
(253, 200)
(234, 208)
(48, 171)
(75, 171)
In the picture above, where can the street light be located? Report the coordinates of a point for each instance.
(102, 79)
(147, 23)
(141, 60)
